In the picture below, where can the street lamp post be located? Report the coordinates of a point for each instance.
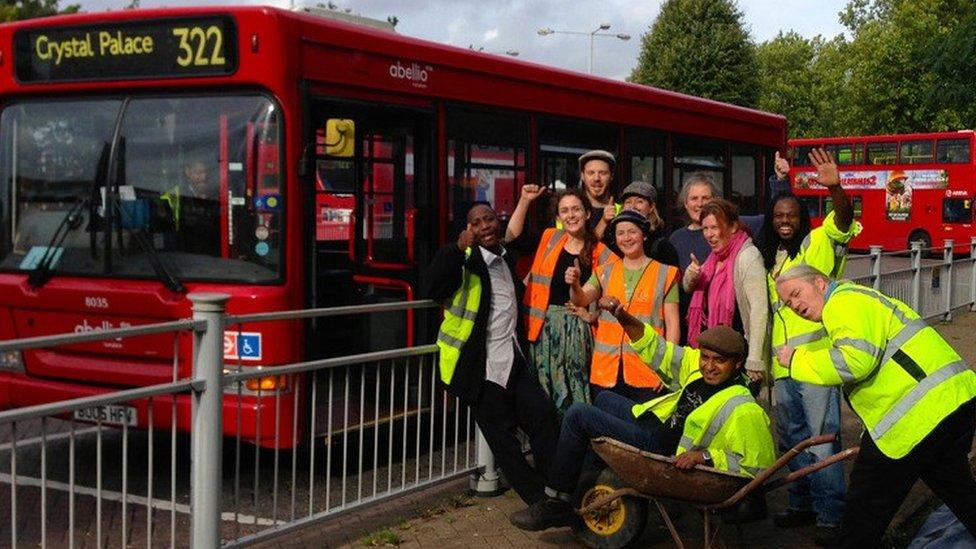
(512, 53)
(597, 32)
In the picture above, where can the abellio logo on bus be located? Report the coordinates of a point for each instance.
(413, 73)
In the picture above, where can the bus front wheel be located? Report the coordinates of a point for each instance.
(920, 236)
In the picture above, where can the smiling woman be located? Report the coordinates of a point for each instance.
(729, 287)
(648, 289)
(560, 338)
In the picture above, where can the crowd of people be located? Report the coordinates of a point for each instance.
(664, 343)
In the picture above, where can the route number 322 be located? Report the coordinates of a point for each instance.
(200, 47)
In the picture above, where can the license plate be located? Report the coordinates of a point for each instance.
(110, 415)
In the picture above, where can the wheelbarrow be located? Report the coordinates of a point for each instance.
(613, 511)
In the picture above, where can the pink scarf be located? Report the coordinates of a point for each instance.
(715, 284)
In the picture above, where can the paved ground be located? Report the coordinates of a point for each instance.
(446, 517)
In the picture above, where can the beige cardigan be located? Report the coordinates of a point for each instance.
(752, 298)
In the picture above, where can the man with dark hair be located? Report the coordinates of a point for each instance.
(804, 409)
(710, 418)
(481, 341)
(194, 211)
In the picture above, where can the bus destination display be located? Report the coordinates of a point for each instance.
(198, 46)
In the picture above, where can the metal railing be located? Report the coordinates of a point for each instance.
(56, 497)
(357, 430)
(329, 436)
(932, 281)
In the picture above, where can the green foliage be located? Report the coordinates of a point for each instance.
(383, 538)
(700, 47)
(29, 9)
(907, 67)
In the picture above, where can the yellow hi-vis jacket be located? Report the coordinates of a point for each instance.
(730, 425)
(824, 249)
(459, 316)
(897, 372)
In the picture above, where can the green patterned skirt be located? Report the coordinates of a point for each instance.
(561, 358)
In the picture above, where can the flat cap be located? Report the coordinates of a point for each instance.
(723, 340)
(598, 154)
(642, 189)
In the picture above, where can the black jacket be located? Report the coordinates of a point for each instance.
(441, 279)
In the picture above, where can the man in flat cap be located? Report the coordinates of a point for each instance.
(710, 418)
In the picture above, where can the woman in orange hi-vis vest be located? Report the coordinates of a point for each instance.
(648, 289)
(559, 334)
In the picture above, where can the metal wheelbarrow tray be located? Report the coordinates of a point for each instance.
(650, 476)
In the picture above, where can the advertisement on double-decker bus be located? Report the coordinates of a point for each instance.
(897, 184)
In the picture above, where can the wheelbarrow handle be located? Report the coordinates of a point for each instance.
(813, 468)
(783, 460)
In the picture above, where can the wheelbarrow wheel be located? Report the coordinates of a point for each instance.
(615, 525)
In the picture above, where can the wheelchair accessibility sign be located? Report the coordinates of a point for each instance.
(242, 346)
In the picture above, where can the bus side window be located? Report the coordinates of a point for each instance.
(882, 153)
(486, 161)
(812, 204)
(856, 204)
(952, 151)
(916, 152)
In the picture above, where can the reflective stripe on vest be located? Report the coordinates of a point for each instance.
(915, 395)
(716, 423)
(610, 344)
(536, 300)
(735, 464)
(459, 317)
(915, 381)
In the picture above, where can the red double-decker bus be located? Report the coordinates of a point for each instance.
(906, 188)
(290, 161)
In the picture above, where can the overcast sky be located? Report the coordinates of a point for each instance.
(500, 25)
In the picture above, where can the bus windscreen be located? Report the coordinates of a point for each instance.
(198, 46)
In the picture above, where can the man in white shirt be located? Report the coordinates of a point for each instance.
(481, 359)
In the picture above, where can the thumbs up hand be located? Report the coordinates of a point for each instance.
(573, 274)
(694, 269)
(781, 166)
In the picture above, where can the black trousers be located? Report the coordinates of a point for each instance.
(879, 484)
(523, 404)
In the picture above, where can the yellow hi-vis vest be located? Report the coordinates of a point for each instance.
(824, 249)
(172, 197)
(730, 425)
(897, 372)
(458, 322)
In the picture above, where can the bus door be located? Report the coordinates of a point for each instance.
(372, 177)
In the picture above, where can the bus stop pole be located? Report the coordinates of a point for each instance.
(972, 273)
(485, 482)
(876, 267)
(916, 274)
(206, 438)
(947, 259)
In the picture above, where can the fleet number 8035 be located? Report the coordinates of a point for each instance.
(199, 46)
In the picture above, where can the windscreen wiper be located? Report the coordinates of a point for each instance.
(43, 271)
(169, 279)
(164, 275)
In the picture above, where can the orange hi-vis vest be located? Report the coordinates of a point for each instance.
(536, 298)
(647, 304)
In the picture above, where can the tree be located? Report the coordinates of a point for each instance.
(806, 80)
(29, 9)
(700, 47)
(892, 84)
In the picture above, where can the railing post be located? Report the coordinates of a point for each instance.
(947, 259)
(972, 273)
(206, 438)
(876, 267)
(916, 275)
(486, 482)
